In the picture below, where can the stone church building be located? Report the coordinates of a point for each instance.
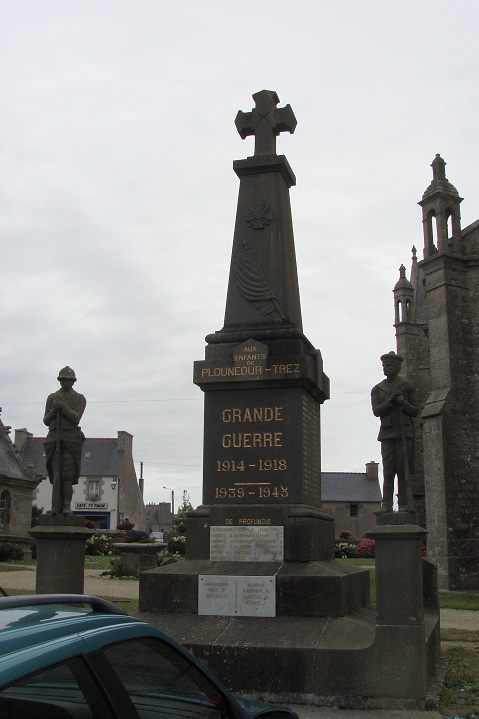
(18, 484)
(437, 331)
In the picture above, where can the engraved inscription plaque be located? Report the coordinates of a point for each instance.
(246, 544)
(263, 448)
(216, 595)
(236, 596)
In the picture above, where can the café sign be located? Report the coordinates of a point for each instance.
(91, 505)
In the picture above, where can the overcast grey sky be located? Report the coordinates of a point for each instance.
(118, 198)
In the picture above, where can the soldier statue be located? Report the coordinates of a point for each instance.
(394, 401)
(63, 445)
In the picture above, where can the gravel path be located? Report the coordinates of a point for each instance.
(459, 619)
(128, 589)
(94, 583)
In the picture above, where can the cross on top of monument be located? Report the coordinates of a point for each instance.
(265, 122)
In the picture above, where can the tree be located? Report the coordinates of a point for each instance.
(183, 510)
(36, 514)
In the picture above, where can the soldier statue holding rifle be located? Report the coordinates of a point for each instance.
(63, 445)
(394, 401)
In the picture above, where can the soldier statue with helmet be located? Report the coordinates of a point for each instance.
(394, 402)
(63, 444)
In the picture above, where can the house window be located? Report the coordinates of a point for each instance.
(4, 509)
(354, 510)
(93, 492)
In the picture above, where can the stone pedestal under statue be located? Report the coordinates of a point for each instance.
(60, 554)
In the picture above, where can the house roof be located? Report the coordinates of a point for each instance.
(10, 464)
(100, 456)
(349, 487)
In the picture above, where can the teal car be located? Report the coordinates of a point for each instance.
(80, 657)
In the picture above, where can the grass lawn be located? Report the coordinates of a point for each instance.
(15, 567)
(447, 600)
(97, 562)
(364, 562)
(91, 562)
(459, 600)
(460, 691)
(460, 635)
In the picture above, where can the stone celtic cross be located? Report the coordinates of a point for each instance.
(265, 122)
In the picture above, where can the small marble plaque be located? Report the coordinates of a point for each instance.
(246, 544)
(236, 596)
(216, 595)
(256, 596)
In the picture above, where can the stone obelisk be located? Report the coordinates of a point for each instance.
(264, 383)
(263, 380)
(260, 597)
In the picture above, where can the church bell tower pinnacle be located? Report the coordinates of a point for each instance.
(441, 213)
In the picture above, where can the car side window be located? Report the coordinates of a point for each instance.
(162, 682)
(62, 691)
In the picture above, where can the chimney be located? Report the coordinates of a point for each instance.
(141, 481)
(372, 470)
(125, 442)
(21, 436)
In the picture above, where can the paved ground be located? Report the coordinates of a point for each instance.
(128, 589)
(94, 583)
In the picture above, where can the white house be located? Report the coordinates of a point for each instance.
(108, 490)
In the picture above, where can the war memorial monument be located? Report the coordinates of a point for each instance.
(260, 597)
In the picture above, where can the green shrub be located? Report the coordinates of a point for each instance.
(117, 570)
(344, 550)
(366, 548)
(10, 551)
(98, 544)
(177, 545)
(36, 514)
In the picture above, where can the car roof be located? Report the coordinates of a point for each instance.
(37, 618)
(61, 625)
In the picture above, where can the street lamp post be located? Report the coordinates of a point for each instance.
(115, 485)
(172, 501)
